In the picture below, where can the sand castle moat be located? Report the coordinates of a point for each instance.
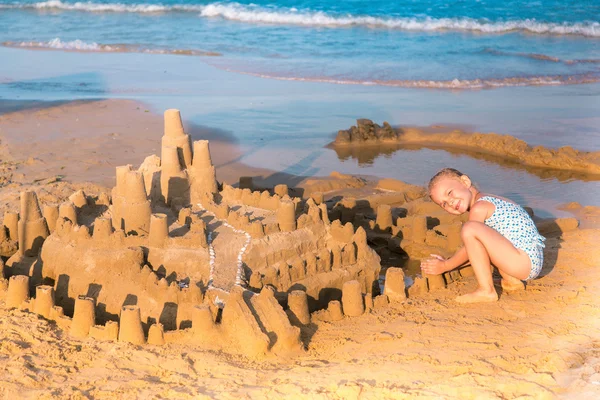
(171, 255)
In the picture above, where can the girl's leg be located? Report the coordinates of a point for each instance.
(485, 245)
(510, 283)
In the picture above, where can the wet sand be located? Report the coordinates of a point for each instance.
(540, 343)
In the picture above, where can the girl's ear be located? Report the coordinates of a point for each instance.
(466, 181)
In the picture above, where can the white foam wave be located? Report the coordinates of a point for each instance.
(59, 44)
(455, 84)
(79, 45)
(242, 13)
(106, 7)
(291, 16)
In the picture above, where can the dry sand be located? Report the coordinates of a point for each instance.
(540, 343)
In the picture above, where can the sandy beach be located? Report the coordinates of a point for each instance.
(538, 343)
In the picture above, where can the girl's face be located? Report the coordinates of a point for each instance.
(453, 194)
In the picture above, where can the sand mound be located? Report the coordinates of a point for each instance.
(366, 132)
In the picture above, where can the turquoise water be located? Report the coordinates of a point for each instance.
(411, 43)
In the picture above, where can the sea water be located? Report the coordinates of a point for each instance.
(282, 77)
(411, 43)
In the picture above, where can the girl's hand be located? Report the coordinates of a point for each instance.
(433, 265)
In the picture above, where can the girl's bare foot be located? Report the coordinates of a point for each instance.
(478, 296)
(510, 284)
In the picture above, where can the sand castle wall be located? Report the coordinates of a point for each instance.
(108, 265)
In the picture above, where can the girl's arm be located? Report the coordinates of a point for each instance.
(437, 264)
(458, 259)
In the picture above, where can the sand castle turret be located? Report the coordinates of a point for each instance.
(51, 215)
(18, 291)
(11, 222)
(131, 208)
(102, 228)
(418, 229)
(84, 316)
(130, 325)
(394, 284)
(384, 217)
(32, 226)
(286, 216)
(175, 136)
(67, 210)
(159, 230)
(174, 182)
(79, 199)
(281, 190)
(298, 308)
(334, 308)
(352, 299)
(203, 175)
(44, 300)
(118, 193)
(156, 334)
(136, 208)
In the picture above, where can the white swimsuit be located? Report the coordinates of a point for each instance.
(513, 222)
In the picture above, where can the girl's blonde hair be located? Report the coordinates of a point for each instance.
(443, 173)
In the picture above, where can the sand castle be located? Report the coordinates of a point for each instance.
(172, 255)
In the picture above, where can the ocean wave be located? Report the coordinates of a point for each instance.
(455, 84)
(541, 57)
(106, 7)
(79, 45)
(291, 16)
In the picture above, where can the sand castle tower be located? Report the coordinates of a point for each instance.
(131, 208)
(202, 173)
(117, 195)
(176, 157)
(136, 207)
(32, 226)
(176, 137)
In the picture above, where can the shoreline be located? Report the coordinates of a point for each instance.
(74, 141)
(82, 141)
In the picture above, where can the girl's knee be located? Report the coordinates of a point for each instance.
(469, 229)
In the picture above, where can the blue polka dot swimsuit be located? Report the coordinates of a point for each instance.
(513, 222)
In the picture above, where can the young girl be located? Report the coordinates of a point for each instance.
(498, 231)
